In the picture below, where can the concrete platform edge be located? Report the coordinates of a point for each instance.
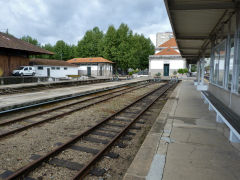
(154, 148)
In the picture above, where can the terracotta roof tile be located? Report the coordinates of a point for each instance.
(10, 42)
(168, 51)
(50, 62)
(170, 43)
(89, 60)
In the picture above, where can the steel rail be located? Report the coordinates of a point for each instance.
(63, 114)
(81, 174)
(33, 165)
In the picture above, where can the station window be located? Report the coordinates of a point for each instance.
(65, 68)
(58, 68)
(219, 62)
(52, 68)
(40, 68)
(230, 74)
(239, 83)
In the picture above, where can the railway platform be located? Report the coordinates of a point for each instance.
(186, 143)
(51, 83)
(14, 101)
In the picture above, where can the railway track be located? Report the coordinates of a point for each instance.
(15, 125)
(79, 155)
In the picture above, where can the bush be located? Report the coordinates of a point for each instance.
(193, 68)
(175, 73)
(182, 71)
(135, 71)
(158, 74)
(130, 73)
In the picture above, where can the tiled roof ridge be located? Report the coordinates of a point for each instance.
(89, 59)
(51, 62)
(168, 51)
(169, 43)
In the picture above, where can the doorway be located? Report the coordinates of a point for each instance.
(48, 72)
(89, 71)
(101, 73)
(166, 70)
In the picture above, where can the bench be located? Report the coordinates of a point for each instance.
(224, 115)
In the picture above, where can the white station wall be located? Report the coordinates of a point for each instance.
(84, 67)
(55, 72)
(173, 64)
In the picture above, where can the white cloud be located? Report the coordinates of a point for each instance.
(51, 20)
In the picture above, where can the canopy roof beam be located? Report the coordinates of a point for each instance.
(181, 37)
(184, 6)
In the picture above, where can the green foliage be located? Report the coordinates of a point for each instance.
(120, 45)
(89, 46)
(193, 68)
(158, 74)
(135, 71)
(125, 49)
(182, 71)
(130, 73)
(30, 40)
(175, 73)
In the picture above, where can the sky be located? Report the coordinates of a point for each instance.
(51, 20)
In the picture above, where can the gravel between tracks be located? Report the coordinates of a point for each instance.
(17, 149)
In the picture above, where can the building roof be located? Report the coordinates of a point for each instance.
(50, 62)
(10, 42)
(168, 51)
(170, 43)
(89, 60)
(195, 24)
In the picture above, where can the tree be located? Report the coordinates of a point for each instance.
(61, 50)
(125, 49)
(89, 46)
(30, 40)
(50, 48)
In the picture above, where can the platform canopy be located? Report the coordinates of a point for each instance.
(196, 23)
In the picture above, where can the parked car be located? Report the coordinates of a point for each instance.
(24, 71)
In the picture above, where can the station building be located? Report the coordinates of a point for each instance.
(211, 29)
(53, 68)
(167, 59)
(15, 53)
(93, 66)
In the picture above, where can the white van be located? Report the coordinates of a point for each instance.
(24, 71)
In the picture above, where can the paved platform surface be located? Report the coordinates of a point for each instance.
(185, 143)
(36, 84)
(18, 100)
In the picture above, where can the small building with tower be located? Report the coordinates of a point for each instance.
(166, 60)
